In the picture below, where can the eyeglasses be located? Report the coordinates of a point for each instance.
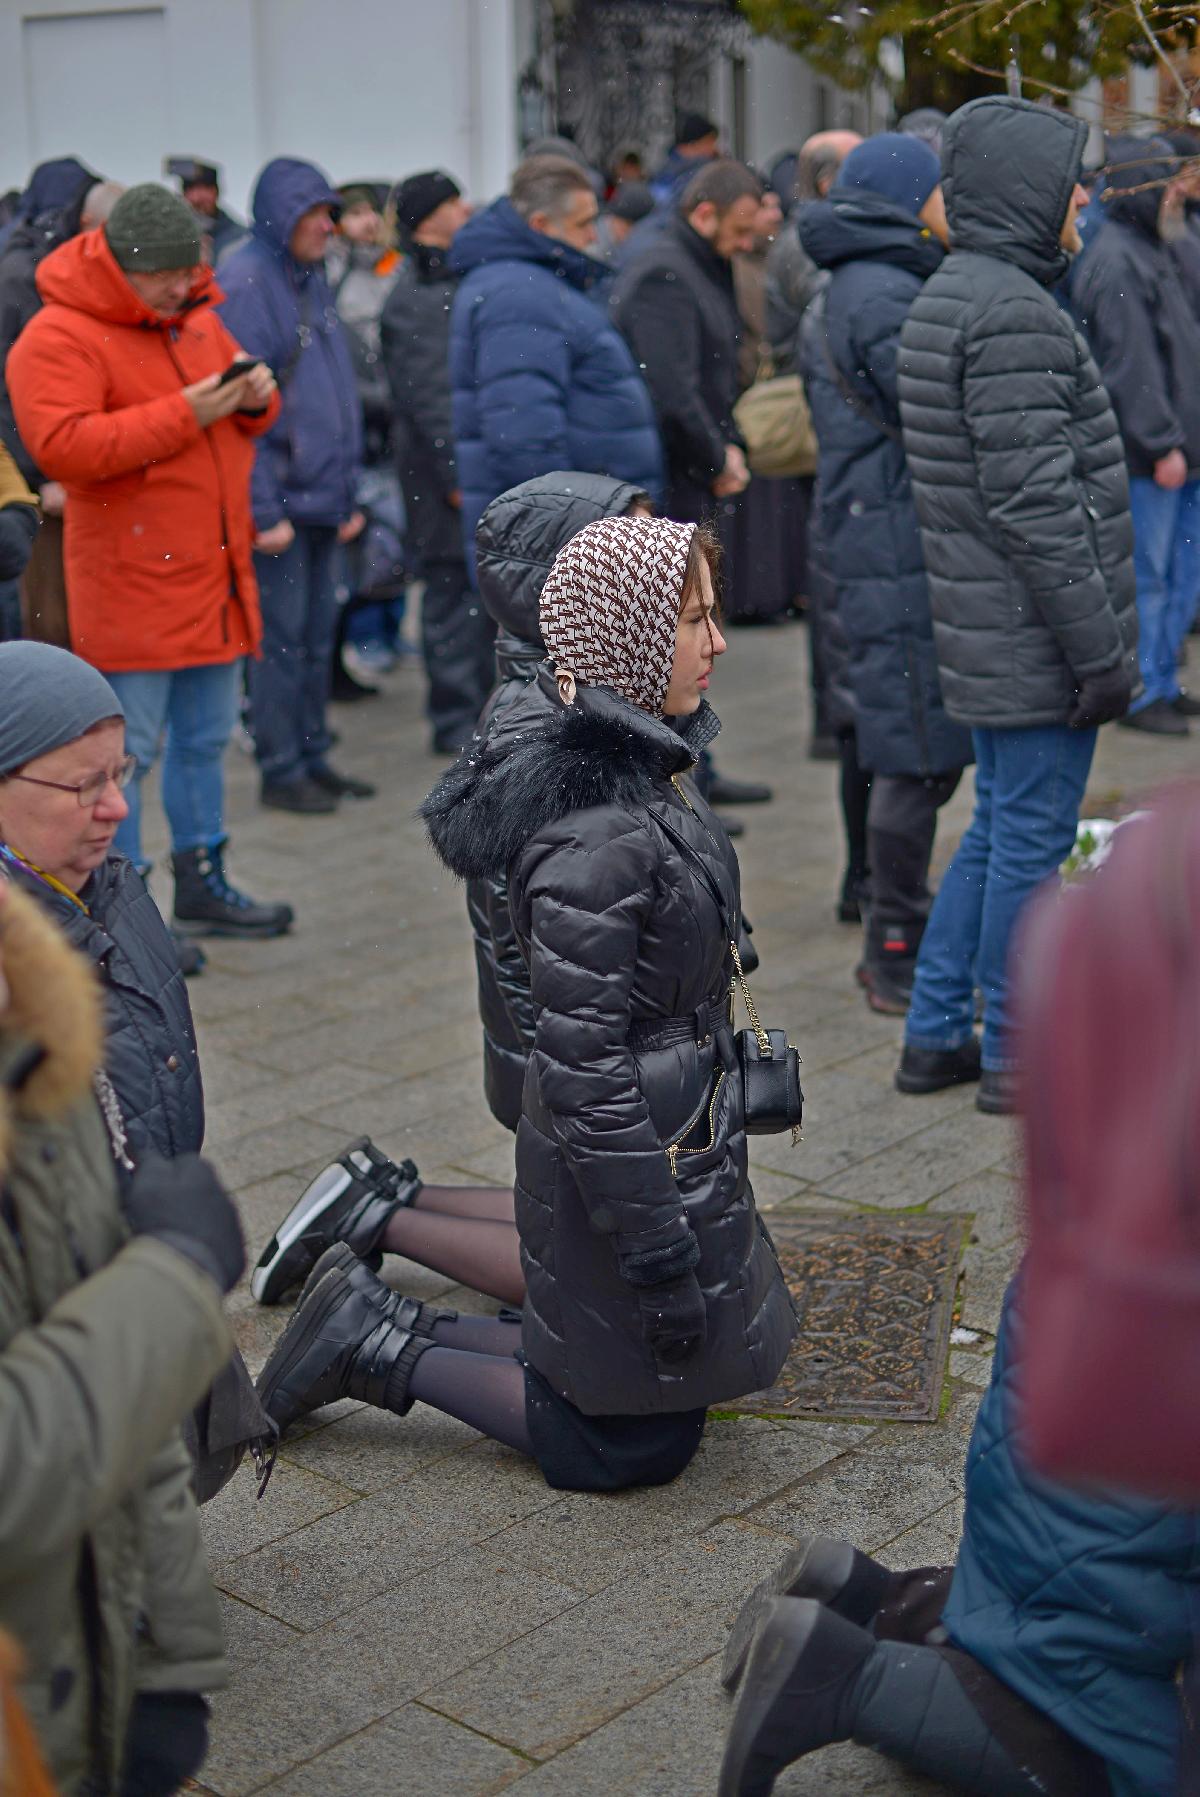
(93, 788)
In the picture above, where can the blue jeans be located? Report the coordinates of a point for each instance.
(197, 708)
(1029, 785)
(1166, 560)
(289, 687)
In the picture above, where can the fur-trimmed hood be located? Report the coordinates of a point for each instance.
(546, 761)
(51, 1031)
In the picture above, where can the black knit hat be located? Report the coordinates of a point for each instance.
(632, 201)
(691, 127)
(420, 195)
(150, 229)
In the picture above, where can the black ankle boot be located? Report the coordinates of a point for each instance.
(888, 966)
(924, 1070)
(852, 900)
(207, 905)
(347, 1339)
(832, 1572)
(797, 1695)
(352, 1201)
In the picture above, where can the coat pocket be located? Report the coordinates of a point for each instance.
(702, 1140)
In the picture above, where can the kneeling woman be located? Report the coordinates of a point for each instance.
(653, 1290)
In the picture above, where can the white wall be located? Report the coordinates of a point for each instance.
(366, 88)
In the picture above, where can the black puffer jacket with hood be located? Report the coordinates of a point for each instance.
(1129, 295)
(516, 542)
(1014, 453)
(631, 1146)
(878, 256)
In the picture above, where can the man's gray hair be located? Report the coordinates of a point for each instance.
(98, 202)
(547, 184)
(816, 166)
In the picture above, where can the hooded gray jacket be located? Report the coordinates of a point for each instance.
(1016, 461)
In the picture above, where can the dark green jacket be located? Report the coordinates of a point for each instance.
(105, 1343)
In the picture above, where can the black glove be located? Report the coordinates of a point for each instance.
(1101, 699)
(674, 1319)
(184, 1204)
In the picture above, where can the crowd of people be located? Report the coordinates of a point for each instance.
(227, 453)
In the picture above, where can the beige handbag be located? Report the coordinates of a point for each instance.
(775, 424)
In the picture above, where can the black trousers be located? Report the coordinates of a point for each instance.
(166, 1743)
(458, 643)
(901, 823)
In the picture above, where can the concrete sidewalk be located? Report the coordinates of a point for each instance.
(410, 1607)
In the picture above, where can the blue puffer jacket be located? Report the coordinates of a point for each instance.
(282, 310)
(1084, 1605)
(540, 378)
(879, 257)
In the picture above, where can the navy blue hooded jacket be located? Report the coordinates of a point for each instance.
(1082, 1603)
(307, 465)
(880, 256)
(58, 186)
(540, 378)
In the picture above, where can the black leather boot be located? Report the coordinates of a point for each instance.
(352, 1201)
(348, 1338)
(933, 1069)
(207, 905)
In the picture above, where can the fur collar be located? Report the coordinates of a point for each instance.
(53, 1009)
(599, 751)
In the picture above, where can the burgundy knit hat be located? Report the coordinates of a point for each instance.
(610, 606)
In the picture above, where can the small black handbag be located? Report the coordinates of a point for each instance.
(772, 1099)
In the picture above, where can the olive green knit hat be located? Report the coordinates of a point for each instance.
(150, 229)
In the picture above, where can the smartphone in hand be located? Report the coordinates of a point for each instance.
(239, 368)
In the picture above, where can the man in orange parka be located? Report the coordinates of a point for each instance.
(117, 393)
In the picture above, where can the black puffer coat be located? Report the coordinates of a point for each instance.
(414, 331)
(676, 307)
(1014, 454)
(879, 256)
(150, 1052)
(633, 1050)
(516, 542)
(1130, 297)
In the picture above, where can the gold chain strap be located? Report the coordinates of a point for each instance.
(764, 1041)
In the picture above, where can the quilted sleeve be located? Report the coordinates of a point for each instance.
(586, 908)
(1019, 388)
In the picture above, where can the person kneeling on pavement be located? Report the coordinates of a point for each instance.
(111, 1328)
(652, 1288)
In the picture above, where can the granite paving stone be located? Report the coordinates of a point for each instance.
(410, 1607)
(411, 1748)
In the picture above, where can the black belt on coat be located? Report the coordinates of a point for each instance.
(698, 1026)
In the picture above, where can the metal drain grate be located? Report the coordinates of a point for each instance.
(876, 1297)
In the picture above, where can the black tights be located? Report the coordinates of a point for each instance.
(481, 1250)
(485, 1390)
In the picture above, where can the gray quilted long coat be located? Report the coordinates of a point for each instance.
(1016, 462)
(628, 1141)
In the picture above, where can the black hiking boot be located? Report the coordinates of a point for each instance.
(997, 1094)
(352, 1201)
(888, 966)
(207, 905)
(345, 1340)
(933, 1069)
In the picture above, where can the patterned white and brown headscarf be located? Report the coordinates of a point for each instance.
(610, 607)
